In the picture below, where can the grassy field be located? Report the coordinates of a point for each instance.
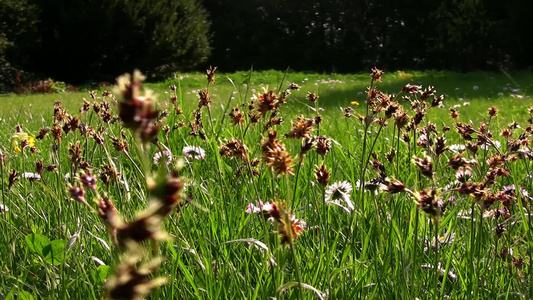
(376, 209)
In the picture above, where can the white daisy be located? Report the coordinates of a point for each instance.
(193, 152)
(31, 176)
(457, 148)
(338, 193)
(165, 153)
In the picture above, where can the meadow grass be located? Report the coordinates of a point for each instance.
(386, 246)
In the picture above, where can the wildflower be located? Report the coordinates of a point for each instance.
(13, 177)
(322, 175)
(463, 174)
(312, 97)
(458, 161)
(279, 161)
(210, 73)
(374, 184)
(437, 101)
(132, 283)
(43, 132)
(354, 103)
(424, 164)
(301, 128)
(268, 101)
(293, 86)
(165, 154)
(136, 111)
(428, 92)
(291, 230)
(75, 153)
(318, 120)
(88, 180)
(347, 112)
(204, 98)
(429, 202)
(411, 89)
(233, 148)
(21, 139)
(167, 190)
(401, 119)
(308, 143)
(454, 114)
(338, 193)
(236, 116)
(394, 186)
(263, 207)
(440, 145)
(323, 145)
(78, 194)
(31, 176)
(39, 167)
(141, 229)
(376, 74)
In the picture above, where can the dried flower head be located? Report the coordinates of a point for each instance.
(301, 128)
(376, 74)
(323, 145)
(322, 175)
(425, 165)
(312, 97)
(13, 177)
(210, 73)
(237, 116)
(429, 201)
(234, 148)
(454, 114)
(131, 282)
(204, 98)
(136, 111)
(493, 112)
(268, 101)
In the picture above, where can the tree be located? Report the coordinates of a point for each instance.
(100, 39)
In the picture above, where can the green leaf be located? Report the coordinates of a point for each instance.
(37, 243)
(103, 272)
(23, 295)
(54, 253)
(10, 295)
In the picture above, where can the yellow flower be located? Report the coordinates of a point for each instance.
(355, 103)
(18, 137)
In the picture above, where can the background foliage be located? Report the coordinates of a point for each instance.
(79, 41)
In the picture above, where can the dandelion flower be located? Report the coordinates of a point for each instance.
(338, 193)
(355, 103)
(166, 154)
(193, 152)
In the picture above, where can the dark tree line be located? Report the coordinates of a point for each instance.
(350, 35)
(80, 40)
